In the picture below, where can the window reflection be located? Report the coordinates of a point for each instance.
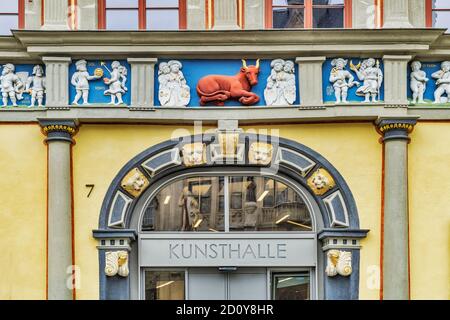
(266, 205)
(291, 286)
(253, 203)
(9, 16)
(164, 285)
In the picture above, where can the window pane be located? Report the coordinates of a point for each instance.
(8, 22)
(441, 4)
(162, 3)
(9, 6)
(122, 3)
(441, 19)
(252, 206)
(288, 18)
(164, 285)
(328, 2)
(291, 286)
(122, 20)
(328, 18)
(162, 19)
(192, 204)
(287, 2)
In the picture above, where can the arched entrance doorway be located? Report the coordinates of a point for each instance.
(247, 216)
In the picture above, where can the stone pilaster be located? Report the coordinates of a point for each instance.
(196, 14)
(395, 134)
(395, 79)
(57, 81)
(396, 14)
(254, 14)
(310, 80)
(56, 15)
(59, 213)
(225, 15)
(142, 82)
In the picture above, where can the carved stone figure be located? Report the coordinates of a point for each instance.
(339, 262)
(36, 86)
(135, 182)
(11, 85)
(341, 79)
(442, 82)
(80, 80)
(321, 181)
(190, 209)
(219, 88)
(116, 263)
(418, 82)
(117, 82)
(173, 90)
(194, 154)
(281, 89)
(369, 71)
(260, 153)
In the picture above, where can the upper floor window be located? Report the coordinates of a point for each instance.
(142, 14)
(438, 13)
(308, 14)
(11, 16)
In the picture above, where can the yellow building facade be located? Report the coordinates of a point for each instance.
(256, 164)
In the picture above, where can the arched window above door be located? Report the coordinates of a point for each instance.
(227, 204)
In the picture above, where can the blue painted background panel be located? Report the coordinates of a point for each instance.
(98, 87)
(25, 102)
(429, 68)
(327, 86)
(194, 70)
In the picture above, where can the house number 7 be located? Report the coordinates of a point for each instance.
(91, 188)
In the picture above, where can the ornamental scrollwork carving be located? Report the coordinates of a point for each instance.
(321, 182)
(260, 153)
(194, 154)
(135, 182)
(339, 262)
(116, 263)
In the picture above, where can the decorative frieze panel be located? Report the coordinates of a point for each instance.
(100, 82)
(353, 80)
(22, 85)
(195, 83)
(429, 83)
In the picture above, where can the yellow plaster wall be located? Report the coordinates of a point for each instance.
(23, 212)
(354, 150)
(429, 211)
(100, 152)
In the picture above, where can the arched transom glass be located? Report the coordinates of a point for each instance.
(227, 204)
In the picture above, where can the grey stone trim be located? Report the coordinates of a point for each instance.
(250, 43)
(139, 160)
(343, 233)
(107, 234)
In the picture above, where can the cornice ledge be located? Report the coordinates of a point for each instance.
(220, 38)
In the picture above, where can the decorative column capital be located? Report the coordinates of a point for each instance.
(396, 129)
(142, 60)
(59, 130)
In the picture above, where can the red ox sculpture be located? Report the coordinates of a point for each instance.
(219, 88)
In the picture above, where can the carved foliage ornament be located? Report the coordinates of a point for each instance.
(194, 154)
(339, 262)
(116, 263)
(321, 182)
(135, 182)
(260, 153)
